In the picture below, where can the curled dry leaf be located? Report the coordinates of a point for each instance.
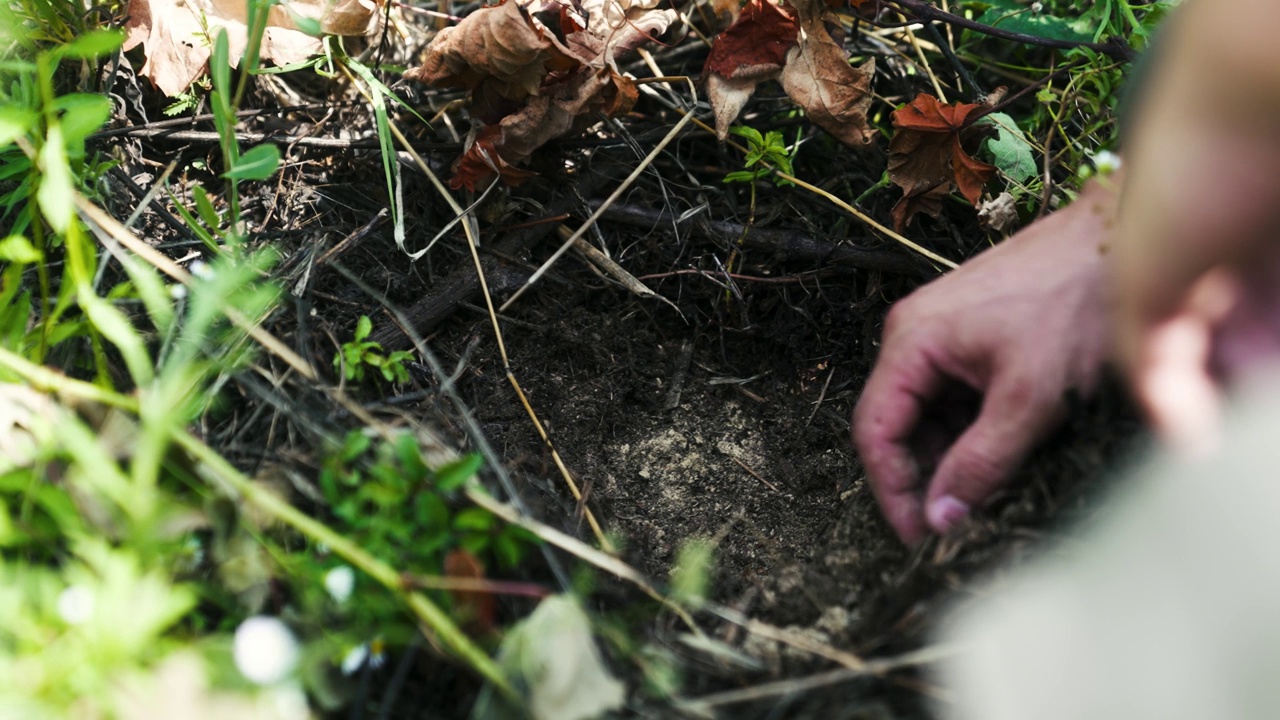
(927, 156)
(501, 47)
(177, 37)
(497, 148)
(769, 42)
(999, 213)
(536, 68)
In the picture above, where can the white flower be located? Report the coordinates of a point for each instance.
(356, 657)
(177, 291)
(1107, 162)
(340, 581)
(265, 650)
(201, 269)
(75, 604)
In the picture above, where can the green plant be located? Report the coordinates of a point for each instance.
(360, 352)
(394, 504)
(765, 154)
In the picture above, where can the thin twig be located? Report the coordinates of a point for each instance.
(613, 197)
(473, 244)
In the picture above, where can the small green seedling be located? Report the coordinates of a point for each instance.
(765, 154)
(360, 352)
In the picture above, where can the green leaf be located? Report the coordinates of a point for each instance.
(220, 65)
(307, 25)
(364, 326)
(196, 228)
(83, 114)
(14, 123)
(56, 196)
(410, 458)
(18, 249)
(1017, 17)
(355, 444)
(451, 476)
(93, 44)
(691, 575)
(151, 290)
(257, 163)
(750, 134)
(115, 327)
(740, 176)
(431, 512)
(205, 208)
(1010, 150)
(474, 519)
(507, 549)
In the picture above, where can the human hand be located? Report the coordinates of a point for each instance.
(1010, 331)
(1197, 249)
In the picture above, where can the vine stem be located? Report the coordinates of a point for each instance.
(1115, 48)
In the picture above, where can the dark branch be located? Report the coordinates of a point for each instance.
(1115, 47)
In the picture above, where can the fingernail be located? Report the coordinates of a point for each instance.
(945, 513)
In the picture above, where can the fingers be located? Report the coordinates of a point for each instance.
(1173, 383)
(884, 420)
(1169, 360)
(1017, 413)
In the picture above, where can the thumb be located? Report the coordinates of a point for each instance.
(1016, 413)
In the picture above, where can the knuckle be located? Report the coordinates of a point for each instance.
(899, 317)
(976, 468)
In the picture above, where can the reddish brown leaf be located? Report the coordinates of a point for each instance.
(927, 158)
(482, 162)
(751, 51)
(762, 35)
(475, 606)
(925, 113)
(767, 43)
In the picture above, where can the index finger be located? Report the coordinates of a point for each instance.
(887, 414)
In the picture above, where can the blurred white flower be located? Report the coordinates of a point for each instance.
(177, 291)
(340, 581)
(265, 650)
(1107, 162)
(201, 269)
(75, 604)
(356, 657)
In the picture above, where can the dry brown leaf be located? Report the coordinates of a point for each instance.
(927, 157)
(548, 116)
(476, 607)
(502, 47)
(819, 78)
(767, 43)
(177, 37)
(527, 85)
(751, 51)
(999, 213)
(350, 17)
(481, 162)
